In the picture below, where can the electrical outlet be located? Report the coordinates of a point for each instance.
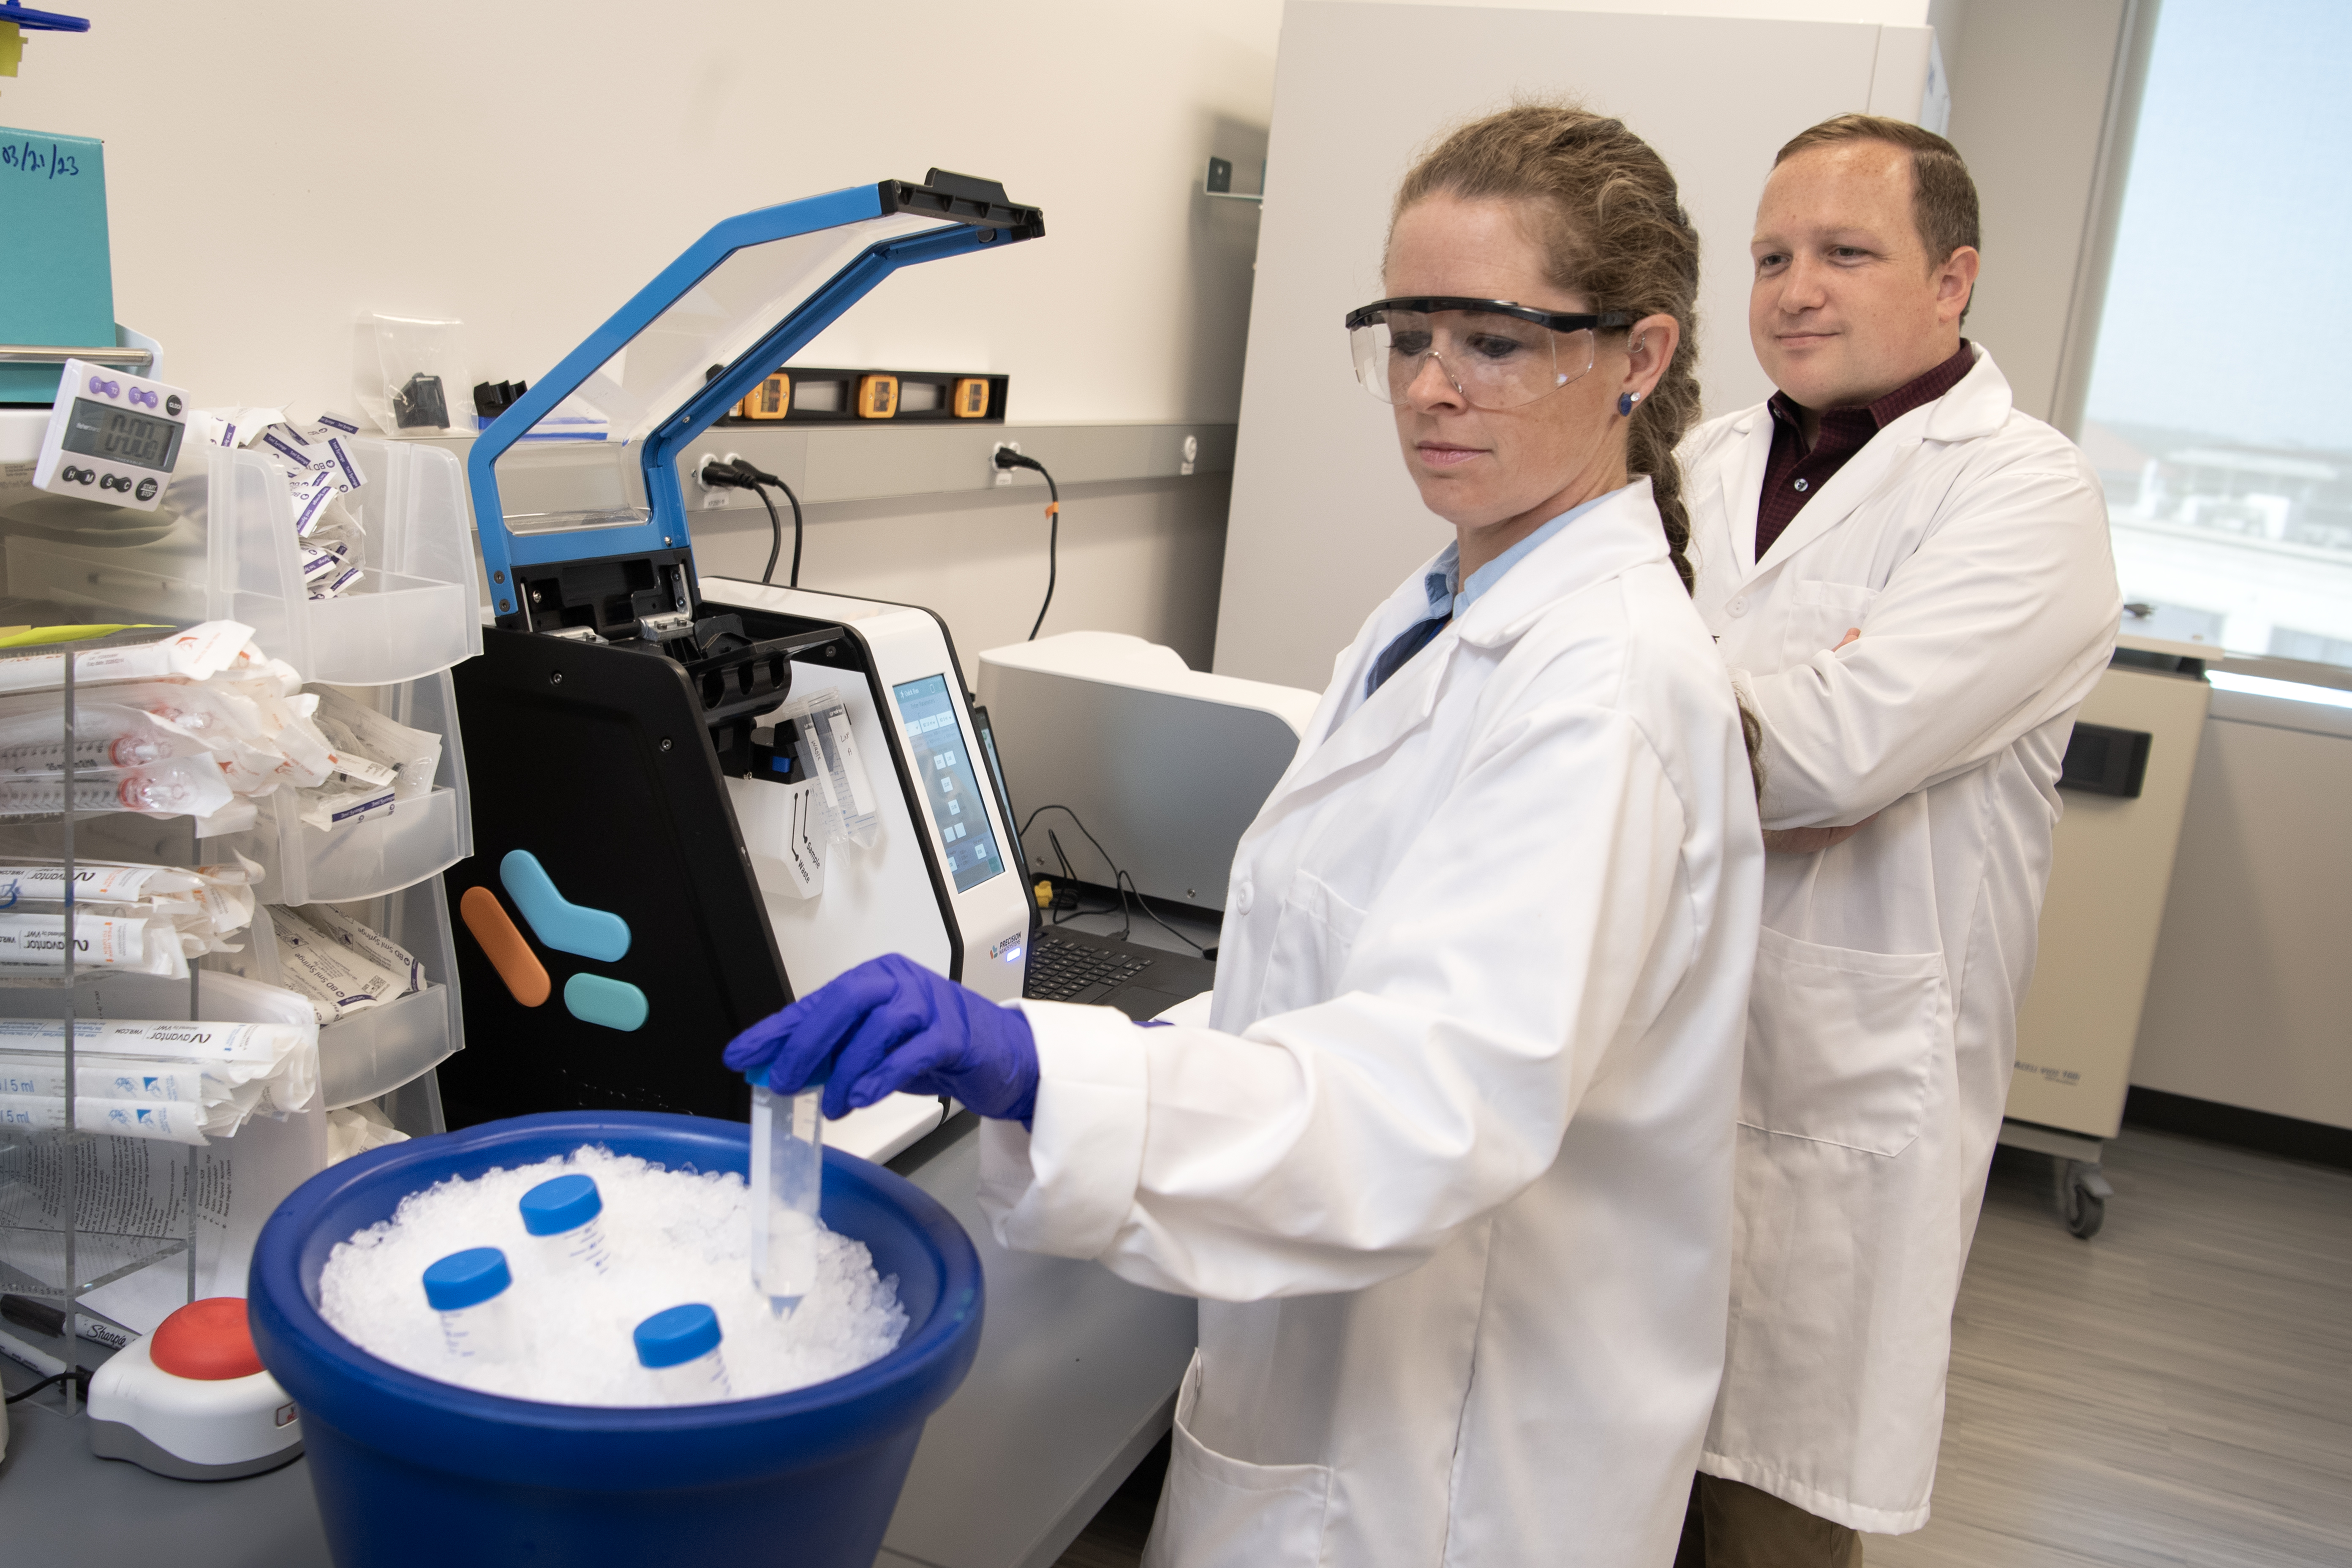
(713, 496)
(1004, 476)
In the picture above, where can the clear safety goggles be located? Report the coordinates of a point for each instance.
(1494, 354)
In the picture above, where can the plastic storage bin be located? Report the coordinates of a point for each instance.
(417, 611)
(418, 838)
(410, 1471)
(380, 1048)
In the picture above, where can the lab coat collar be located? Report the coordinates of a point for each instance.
(1975, 408)
(1621, 532)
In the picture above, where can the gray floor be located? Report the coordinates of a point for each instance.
(2176, 1392)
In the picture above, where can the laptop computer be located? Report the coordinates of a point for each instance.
(1068, 965)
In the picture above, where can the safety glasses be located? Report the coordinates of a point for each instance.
(1494, 354)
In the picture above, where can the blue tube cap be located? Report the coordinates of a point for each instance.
(467, 1279)
(566, 1202)
(676, 1335)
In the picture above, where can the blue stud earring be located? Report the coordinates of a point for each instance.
(1625, 402)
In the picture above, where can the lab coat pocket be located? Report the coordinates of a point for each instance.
(1219, 1512)
(1314, 932)
(1820, 615)
(1841, 1043)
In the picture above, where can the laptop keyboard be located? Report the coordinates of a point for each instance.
(1060, 969)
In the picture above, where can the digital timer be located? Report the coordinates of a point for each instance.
(112, 437)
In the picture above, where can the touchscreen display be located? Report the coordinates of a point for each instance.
(936, 756)
(95, 430)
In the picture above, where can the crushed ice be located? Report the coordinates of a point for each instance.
(676, 1236)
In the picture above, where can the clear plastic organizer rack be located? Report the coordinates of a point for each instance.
(417, 612)
(361, 861)
(80, 1208)
(391, 1045)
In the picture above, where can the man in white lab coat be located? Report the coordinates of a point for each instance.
(1912, 584)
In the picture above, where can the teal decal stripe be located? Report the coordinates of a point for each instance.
(597, 999)
(556, 921)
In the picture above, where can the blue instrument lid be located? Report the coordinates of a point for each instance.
(723, 317)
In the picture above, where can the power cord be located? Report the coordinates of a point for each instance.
(1006, 458)
(81, 1375)
(742, 475)
(1121, 880)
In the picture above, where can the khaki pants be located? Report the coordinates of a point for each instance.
(1730, 1525)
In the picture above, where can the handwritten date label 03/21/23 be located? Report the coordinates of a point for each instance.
(112, 437)
(936, 754)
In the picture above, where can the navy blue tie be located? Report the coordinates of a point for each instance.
(1399, 654)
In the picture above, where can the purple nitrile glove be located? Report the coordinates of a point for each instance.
(890, 1024)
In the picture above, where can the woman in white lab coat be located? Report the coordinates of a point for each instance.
(1447, 1155)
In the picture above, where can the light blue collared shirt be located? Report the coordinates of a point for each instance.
(1451, 596)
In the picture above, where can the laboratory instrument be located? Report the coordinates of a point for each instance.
(787, 1177)
(2126, 776)
(192, 1400)
(1166, 766)
(112, 437)
(565, 1216)
(765, 786)
(678, 1348)
(468, 1290)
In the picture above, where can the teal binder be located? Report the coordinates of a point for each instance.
(57, 276)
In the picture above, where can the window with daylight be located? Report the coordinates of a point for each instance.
(2220, 405)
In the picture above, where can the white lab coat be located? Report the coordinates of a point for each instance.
(1450, 1164)
(1970, 544)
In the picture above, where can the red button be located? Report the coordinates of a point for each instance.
(206, 1341)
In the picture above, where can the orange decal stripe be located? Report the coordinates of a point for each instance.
(508, 951)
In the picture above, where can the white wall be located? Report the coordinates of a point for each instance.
(1320, 494)
(2249, 994)
(1137, 558)
(275, 169)
(2030, 87)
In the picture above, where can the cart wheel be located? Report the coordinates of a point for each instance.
(2083, 1194)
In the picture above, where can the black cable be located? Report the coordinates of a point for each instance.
(80, 1375)
(1006, 458)
(775, 533)
(744, 474)
(1121, 881)
(796, 501)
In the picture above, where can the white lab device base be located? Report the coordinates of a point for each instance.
(189, 1428)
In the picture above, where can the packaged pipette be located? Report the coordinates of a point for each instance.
(470, 1291)
(787, 1177)
(176, 786)
(162, 653)
(37, 943)
(678, 1348)
(105, 736)
(164, 1123)
(372, 946)
(338, 980)
(413, 755)
(564, 1217)
(268, 1067)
